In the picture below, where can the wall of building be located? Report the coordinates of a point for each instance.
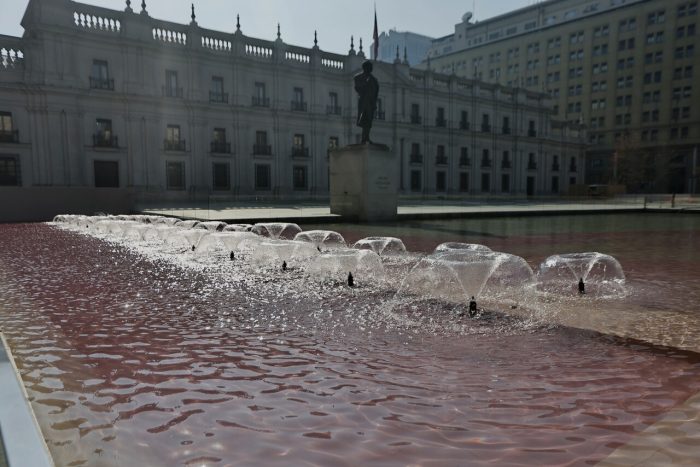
(410, 47)
(627, 69)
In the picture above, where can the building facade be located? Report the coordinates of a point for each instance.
(628, 69)
(93, 97)
(410, 47)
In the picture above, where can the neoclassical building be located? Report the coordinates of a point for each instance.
(94, 97)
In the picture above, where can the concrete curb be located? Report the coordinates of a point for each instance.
(22, 438)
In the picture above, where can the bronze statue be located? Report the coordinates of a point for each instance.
(367, 87)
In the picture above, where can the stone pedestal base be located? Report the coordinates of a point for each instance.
(364, 182)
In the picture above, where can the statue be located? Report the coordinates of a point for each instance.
(367, 87)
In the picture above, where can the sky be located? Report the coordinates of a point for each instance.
(335, 20)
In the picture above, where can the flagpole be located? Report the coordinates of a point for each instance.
(376, 35)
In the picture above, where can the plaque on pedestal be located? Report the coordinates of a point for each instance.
(364, 182)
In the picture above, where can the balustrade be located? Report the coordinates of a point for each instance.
(174, 145)
(216, 44)
(101, 140)
(9, 136)
(258, 51)
(168, 36)
(94, 22)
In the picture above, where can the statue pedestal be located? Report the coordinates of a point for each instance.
(364, 182)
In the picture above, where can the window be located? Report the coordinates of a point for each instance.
(172, 133)
(260, 98)
(299, 181)
(554, 43)
(505, 183)
(416, 180)
(463, 181)
(655, 38)
(598, 104)
(106, 174)
(298, 100)
(485, 182)
(627, 44)
(7, 133)
(598, 86)
(9, 171)
(464, 120)
(172, 139)
(103, 136)
(333, 107)
(485, 125)
(599, 50)
(99, 79)
(687, 9)
(601, 31)
(531, 131)
(415, 114)
(531, 161)
(216, 93)
(299, 148)
(219, 143)
(440, 117)
(263, 178)
(261, 147)
(656, 17)
(171, 84)
(221, 179)
(506, 125)
(219, 135)
(464, 156)
(440, 157)
(485, 158)
(440, 181)
(555, 185)
(175, 175)
(100, 70)
(599, 68)
(505, 161)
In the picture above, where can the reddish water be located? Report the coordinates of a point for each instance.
(131, 360)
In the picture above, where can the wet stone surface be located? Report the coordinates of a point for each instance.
(138, 353)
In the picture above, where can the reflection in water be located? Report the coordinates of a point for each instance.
(168, 357)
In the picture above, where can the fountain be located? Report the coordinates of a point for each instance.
(602, 274)
(136, 232)
(227, 242)
(186, 238)
(325, 239)
(452, 277)
(456, 246)
(159, 232)
(365, 265)
(233, 343)
(186, 224)
(164, 220)
(381, 245)
(238, 228)
(277, 230)
(212, 226)
(275, 252)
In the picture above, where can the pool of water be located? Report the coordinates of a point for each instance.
(137, 355)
